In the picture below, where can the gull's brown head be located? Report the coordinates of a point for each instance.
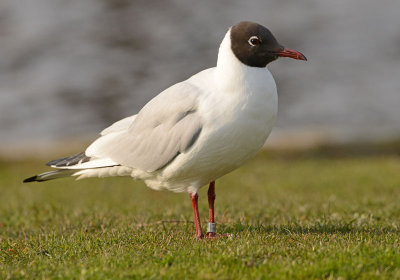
(255, 46)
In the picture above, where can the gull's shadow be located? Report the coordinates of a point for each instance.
(317, 228)
(286, 229)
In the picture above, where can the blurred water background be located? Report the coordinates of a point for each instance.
(70, 68)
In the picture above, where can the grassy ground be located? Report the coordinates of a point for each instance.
(292, 218)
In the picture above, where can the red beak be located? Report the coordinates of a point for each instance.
(291, 53)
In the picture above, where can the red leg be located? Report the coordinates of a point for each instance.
(211, 199)
(194, 198)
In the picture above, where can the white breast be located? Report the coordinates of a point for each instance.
(238, 109)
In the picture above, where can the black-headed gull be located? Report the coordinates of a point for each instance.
(195, 131)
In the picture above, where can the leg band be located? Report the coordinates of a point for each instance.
(211, 227)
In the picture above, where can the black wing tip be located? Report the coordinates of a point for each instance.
(69, 161)
(31, 179)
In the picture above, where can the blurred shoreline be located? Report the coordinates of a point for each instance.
(306, 146)
(71, 68)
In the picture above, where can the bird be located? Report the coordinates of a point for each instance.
(195, 131)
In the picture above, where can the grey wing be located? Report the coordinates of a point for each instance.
(167, 126)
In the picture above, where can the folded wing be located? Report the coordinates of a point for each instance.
(167, 126)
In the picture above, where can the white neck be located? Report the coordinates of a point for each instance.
(230, 71)
(232, 74)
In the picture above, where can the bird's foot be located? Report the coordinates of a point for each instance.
(199, 236)
(210, 235)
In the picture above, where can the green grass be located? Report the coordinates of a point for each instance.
(292, 218)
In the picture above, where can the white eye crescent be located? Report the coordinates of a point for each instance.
(254, 41)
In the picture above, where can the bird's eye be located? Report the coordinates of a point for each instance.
(254, 41)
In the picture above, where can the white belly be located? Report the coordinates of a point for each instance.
(234, 131)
